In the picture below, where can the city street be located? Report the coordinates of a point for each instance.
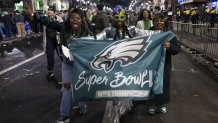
(26, 96)
(135, 61)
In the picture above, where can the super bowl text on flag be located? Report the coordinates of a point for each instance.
(129, 68)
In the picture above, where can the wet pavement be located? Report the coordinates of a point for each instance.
(13, 52)
(27, 97)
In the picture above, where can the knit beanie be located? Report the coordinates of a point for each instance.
(78, 11)
(100, 7)
(158, 16)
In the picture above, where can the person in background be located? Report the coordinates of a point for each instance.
(1, 27)
(187, 15)
(27, 28)
(146, 22)
(51, 43)
(212, 16)
(101, 20)
(197, 15)
(132, 19)
(35, 22)
(7, 21)
(157, 9)
(158, 101)
(19, 19)
(206, 14)
(178, 15)
(193, 16)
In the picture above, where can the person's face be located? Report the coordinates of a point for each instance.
(145, 14)
(94, 13)
(50, 13)
(159, 24)
(75, 21)
(119, 23)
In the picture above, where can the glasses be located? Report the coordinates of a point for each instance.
(117, 17)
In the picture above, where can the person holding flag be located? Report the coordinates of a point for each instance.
(159, 101)
(120, 31)
(74, 27)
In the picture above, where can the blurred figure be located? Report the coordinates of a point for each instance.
(197, 16)
(1, 27)
(27, 28)
(178, 14)
(206, 14)
(50, 37)
(146, 22)
(156, 10)
(193, 16)
(101, 20)
(132, 19)
(7, 21)
(187, 15)
(19, 19)
(212, 16)
(35, 22)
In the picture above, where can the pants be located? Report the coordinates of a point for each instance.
(67, 98)
(20, 29)
(51, 45)
(8, 31)
(1, 32)
(1, 37)
(36, 27)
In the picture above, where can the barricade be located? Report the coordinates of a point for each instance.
(199, 37)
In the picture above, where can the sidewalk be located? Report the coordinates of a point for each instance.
(201, 51)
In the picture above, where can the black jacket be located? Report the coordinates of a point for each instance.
(161, 99)
(65, 33)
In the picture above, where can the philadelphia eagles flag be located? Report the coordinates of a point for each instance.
(130, 68)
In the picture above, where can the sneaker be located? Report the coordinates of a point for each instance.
(63, 119)
(82, 110)
(152, 110)
(163, 109)
(50, 75)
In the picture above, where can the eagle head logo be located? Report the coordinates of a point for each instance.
(126, 52)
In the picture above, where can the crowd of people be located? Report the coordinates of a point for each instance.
(196, 15)
(18, 24)
(100, 25)
(64, 26)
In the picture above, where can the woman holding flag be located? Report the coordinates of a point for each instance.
(74, 27)
(120, 31)
(159, 101)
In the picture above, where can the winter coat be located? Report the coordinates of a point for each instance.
(65, 35)
(110, 33)
(7, 20)
(101, 21)
(141, 24)
(19, 18)
(161, 99)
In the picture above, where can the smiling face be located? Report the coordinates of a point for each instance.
(158, 24)
(75, 21)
